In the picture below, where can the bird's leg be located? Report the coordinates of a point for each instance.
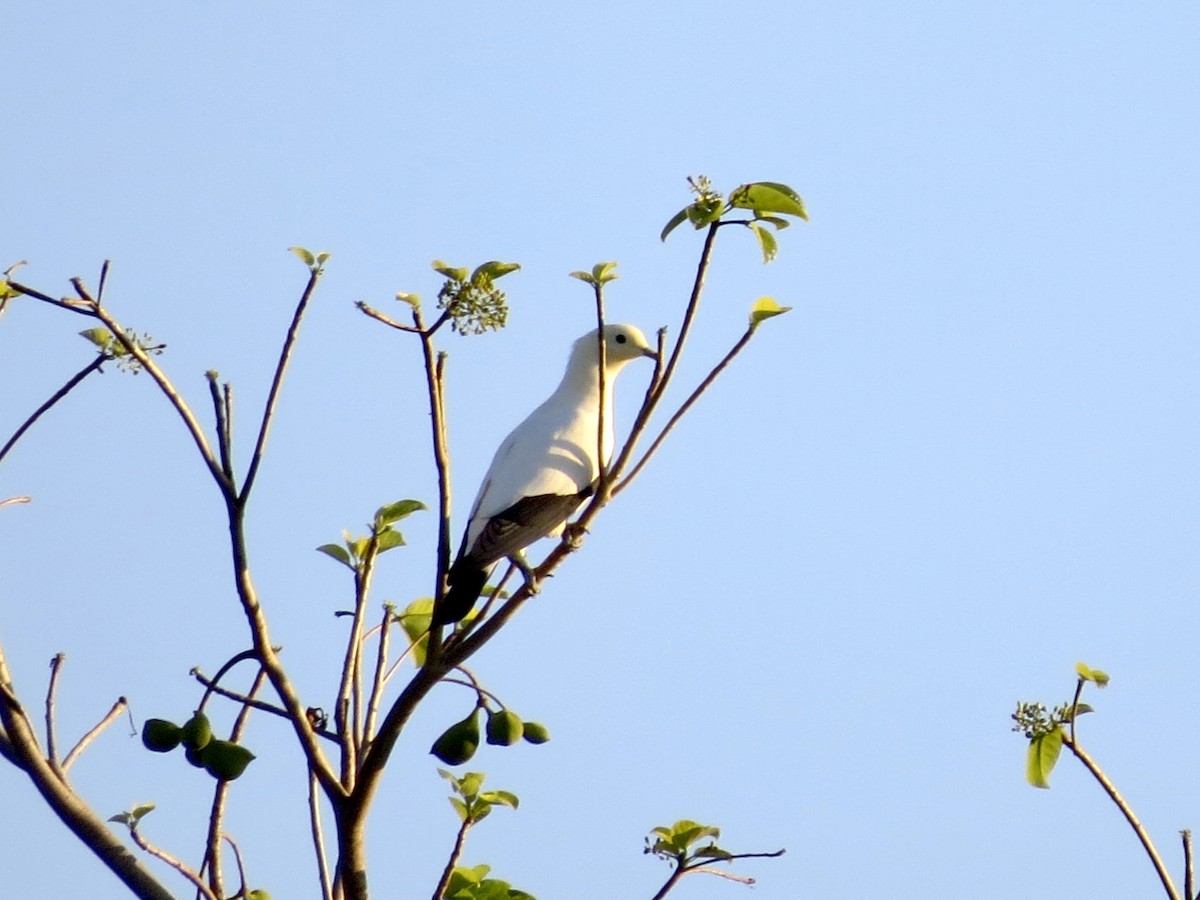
(532, 582)
(573, 534)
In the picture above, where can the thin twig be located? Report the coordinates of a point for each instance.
(212, 850)
(237, 856)
(285, 355)
(84, 309)
(51, 689)
(260, 705)
(221, 406)
(377, 680)
(348, 708)
(1189, 875)
(455, 852)
(314, 818)
(1127, 812)
(16, 500)
(602, 460)
(687, 404)
(178, 865)
(386, 320)
(94, 732)
(83, 373)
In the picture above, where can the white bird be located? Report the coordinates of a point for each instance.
(544, 469)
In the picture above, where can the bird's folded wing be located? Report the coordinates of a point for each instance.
(527, 520)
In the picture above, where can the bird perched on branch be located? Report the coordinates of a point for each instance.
(544, 469)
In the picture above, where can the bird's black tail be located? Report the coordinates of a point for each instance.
(466, 582)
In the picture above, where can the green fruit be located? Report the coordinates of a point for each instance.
(195, 757)
(536, 732)
(504, 728)
(459, 742)
(258, 894)
(225, 760)
(197, 732)
(160, 735)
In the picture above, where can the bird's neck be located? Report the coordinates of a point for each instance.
(581, 385)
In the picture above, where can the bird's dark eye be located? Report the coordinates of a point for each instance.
(621, 338)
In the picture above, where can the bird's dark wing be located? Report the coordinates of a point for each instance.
(527, 520)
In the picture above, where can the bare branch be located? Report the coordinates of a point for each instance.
(1127, 811)
(94, 732)
(276, 384)
(52, 689)
(687, 404)
(75, 379)
(318, 839)
(178, 865)
(455, 853)
(261, 705)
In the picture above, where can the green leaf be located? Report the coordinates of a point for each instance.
(338, 552)
(766, 241)
(1101, 678)
(459, 807)
(469, 784)
(1043, 754)
(492, 270)
(322, 258)
(500, 798)
(765, 308)
(768, 197)
(305, 256)
(413, 300)
(605, 272)
(357, 547)
(454, 273)
(584, 276)
(388, 539)
(394, 512)
(132, 817)
(101, 337)
(676, 220)
(415, 620)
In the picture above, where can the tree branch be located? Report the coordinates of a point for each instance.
(75, 379)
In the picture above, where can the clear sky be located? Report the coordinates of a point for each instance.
(966, 460)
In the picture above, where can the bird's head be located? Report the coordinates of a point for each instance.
(622, 344)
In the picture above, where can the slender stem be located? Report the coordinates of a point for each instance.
(94, 732)
(687, 404)
(1189, 875)
(261, 705)
(377, 680)
(602, 387)
(285, 355)
(673, 880)
(348, 710)
(83, 373)
(318, 838)
(52, 689)
(75, 306)
(1127, 812)
(455, 853)
(212, 851)
(222, 404)
(237, 856)
(177, 864)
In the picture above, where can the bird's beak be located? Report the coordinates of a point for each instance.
(650, 353)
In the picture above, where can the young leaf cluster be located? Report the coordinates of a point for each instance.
(472, 804)
(676, 842)
(767, 202)
(473, 301)
(383, 537)
(473, 884)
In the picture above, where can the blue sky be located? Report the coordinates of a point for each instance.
(966, 460)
